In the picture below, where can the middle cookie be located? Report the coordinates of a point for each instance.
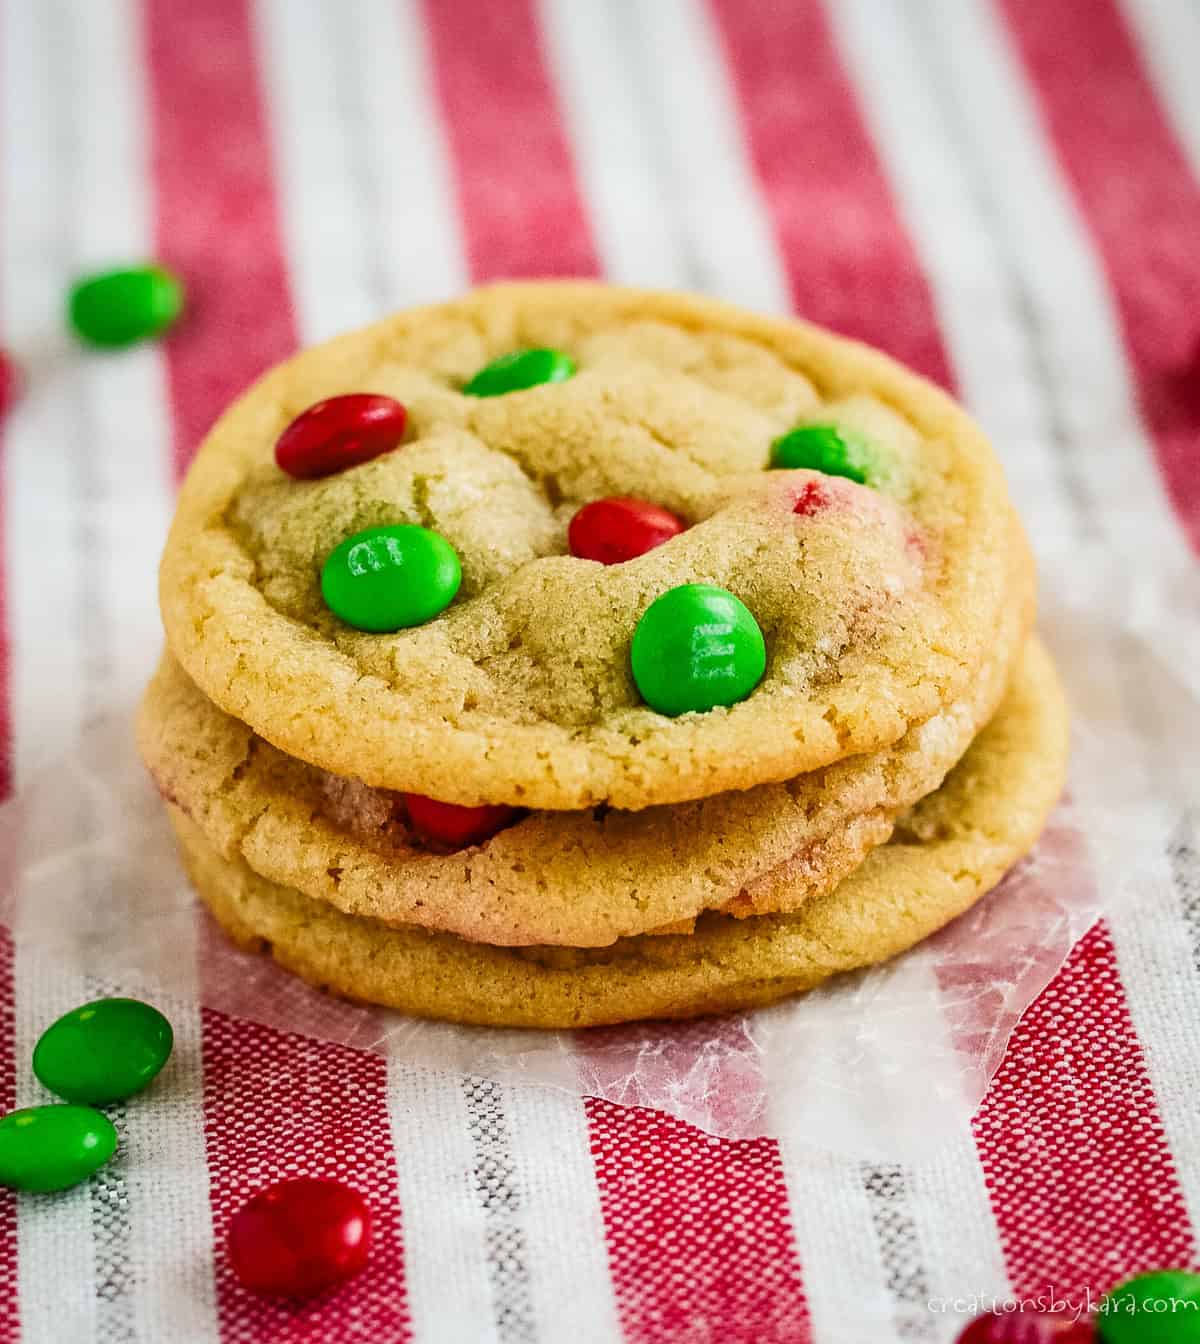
(580, 879)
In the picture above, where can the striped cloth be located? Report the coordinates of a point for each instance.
(1003, 193)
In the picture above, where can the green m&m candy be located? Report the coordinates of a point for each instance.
(1162, 1307)
(53, 1147)
(117, 308)
(104, 1051)
(390, 578)
(696, 647)
(827, 448)
(519, 370)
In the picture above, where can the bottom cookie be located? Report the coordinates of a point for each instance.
(948, 851)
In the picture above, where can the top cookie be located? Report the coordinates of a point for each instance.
(876, 602)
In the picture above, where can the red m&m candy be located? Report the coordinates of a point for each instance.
(616, 529)
(299, 1237)
(1028, 1327)
(454, 826)
(339, 433)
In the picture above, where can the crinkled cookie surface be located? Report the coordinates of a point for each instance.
(877, 608)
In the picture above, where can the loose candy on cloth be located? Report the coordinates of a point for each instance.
(45, 1148)
(1161, 1307)
(103, 1051)
(299, 1237)
(1028, 1327)
(120, 307)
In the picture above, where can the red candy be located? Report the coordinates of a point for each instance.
(299, 1237)
(612, 530)
(339, 433)
(1027, 1327)
(454, 826)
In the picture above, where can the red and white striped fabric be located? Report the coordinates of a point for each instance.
(1003, 193)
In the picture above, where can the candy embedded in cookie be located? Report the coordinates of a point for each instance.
(617, 529)
(451, 826)
(338, 433)
(520, 370)
(696, 647)
(830, 449)
(390, 578)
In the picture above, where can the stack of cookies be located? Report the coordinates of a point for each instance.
(568, 655)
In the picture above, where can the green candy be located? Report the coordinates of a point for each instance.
(1162, 1307)
(53, 1147)
(519, 370)
(390, 578)
(117, 308)
(104, 1051)
(696, 647)
(826, 448)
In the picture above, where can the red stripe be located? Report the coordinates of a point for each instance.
(1140, 201)
(518, 197)
(849, 261)
(698, 1230)
(276, 1105)
(1082, 1181)
(216, 217)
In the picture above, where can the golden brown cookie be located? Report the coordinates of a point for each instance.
(877, 602)
(955, 845)
(576, 878)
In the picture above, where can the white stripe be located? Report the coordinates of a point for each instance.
(171, 1243)
(952, 1212)
(838, 1085)
(975, 302)
(729, 246)
(831, 1219)
(87, 468)
(552, 1165)
(1131, 808)
(445, 1263)
(600, 67)
(1062, 275)
(321, 209)
(418, 232)
(1169, 34)
(56, 1272)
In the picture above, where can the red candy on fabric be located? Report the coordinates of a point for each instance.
(617, 529)
(1028, 1327)
(338, 433)
(298, 1237)
(454, 826)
